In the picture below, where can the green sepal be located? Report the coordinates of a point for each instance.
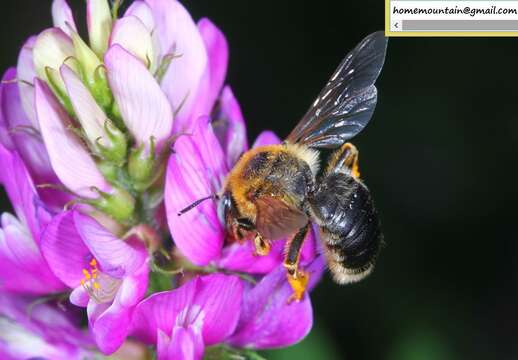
(109, 170)
(101, 89)
(93, 72)
(115, 8)
(118, 148)
(158, 282)
(163, 67)
(119, 205)
(141, 165)
(53, 79)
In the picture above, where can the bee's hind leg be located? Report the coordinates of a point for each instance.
(298, 279)
(345, 160)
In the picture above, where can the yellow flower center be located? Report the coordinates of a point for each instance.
(102, 288)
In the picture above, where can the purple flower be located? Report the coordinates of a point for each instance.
(203, 312)
(19, 133)
(29, 330)
(267, 319)
(108, 276)
(23, 269)
(113, 103)
(90, 123)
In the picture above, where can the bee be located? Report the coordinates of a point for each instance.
(277, 191)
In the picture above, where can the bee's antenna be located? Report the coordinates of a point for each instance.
(197, 202)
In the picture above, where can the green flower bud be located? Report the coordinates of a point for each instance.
(93, 72)
(100, 25)
(119, 205)
(141, 165)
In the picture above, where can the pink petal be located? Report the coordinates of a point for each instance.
(179, 35)
(210, 151)
(217, 51)
(22, 193)
(267, 320)
(79, 296)
(51, 49)
(28, 144)
(40, 331)
(159, 311)
(111, 323)
(219, 297)
(232, 133)
(135, 37)
(198, 233)
(74, 167)
(22, 267)
(211, 302)
(62, 16)
(185, 344)
(26, 73)
(142, 11)
(144, 107)
(267, 137)
(134, 287)
(116, 257)
(64, 249)
(214, 75)
(90, 115)
(112, 327)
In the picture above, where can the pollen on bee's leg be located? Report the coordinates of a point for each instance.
(298, 281)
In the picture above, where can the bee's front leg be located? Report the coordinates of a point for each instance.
(262, 246)
(297, 278)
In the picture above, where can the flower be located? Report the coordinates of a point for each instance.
(22, 266)
(29, 330)
(114, 101)
(108, 276)
(182, 322)
(87, 127)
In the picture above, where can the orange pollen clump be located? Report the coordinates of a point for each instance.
(101, 287)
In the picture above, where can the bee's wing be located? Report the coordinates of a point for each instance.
(276, 219)
(345, 105)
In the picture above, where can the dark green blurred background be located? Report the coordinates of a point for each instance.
(439, 156)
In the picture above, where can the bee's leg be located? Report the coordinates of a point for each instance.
(345, 160)
(262, 246)
(240, 227)
(298, 279)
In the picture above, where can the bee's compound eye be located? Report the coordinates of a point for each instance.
(223, 208)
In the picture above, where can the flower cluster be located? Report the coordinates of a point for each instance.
(102, 141)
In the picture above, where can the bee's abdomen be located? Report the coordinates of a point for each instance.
(349, 224)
